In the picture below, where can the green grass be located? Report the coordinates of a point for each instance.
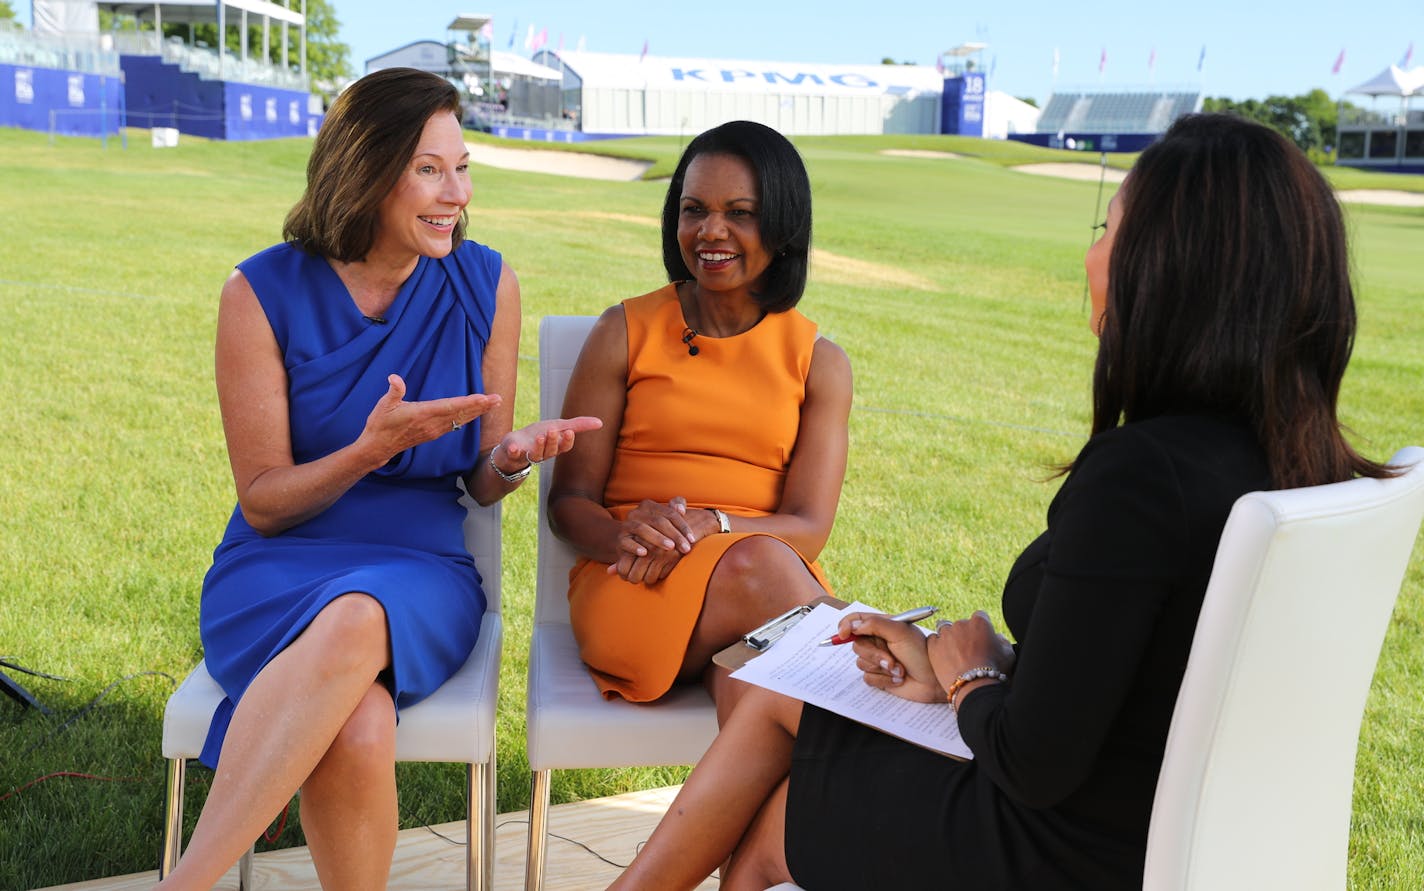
(964, 321)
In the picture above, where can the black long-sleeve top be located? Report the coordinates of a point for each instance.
(1103, 607)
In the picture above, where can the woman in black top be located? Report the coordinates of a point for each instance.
(1223, 304)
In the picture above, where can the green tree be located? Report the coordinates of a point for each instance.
(6, 11)
(1309, 120)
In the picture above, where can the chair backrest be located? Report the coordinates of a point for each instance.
(560, 341)
(1255, 786)
(482, 540)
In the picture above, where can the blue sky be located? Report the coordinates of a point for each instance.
(1253, 49)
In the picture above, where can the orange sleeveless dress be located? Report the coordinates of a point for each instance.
(718, 429)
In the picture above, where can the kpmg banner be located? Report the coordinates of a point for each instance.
(608, 70)
(71, 103)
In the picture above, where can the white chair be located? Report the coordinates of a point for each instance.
(570, 724)
(1259, 769)
(454, 724)
(1256, 783)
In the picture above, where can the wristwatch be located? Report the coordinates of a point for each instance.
(723, 524)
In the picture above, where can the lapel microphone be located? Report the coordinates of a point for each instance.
(687, 335)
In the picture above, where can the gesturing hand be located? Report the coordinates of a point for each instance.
(395, 425)
(545, 439)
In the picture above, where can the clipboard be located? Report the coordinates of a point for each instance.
(761, 638)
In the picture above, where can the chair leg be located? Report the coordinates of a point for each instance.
(538, 831)
(487, 818)
(173, 816)
(479, 826)
(244, 871)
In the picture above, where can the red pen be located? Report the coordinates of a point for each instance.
(910, 615)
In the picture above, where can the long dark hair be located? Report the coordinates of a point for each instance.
(370, 134)
(783, 196)
(1229, 293)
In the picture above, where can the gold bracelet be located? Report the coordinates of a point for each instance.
(973, 674)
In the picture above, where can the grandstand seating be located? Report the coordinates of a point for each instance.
(1126, 112)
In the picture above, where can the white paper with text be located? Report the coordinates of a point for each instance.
(827, 677)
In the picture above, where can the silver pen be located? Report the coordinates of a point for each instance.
(908, 616)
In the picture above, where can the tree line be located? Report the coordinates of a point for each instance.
(1310, 120)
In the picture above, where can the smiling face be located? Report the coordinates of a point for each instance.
(1096, 262)
(719, 226)
(420, 213)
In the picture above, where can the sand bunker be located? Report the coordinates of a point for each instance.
(559, 163)
(918, 153)
(1073, 171)
(1391, 197)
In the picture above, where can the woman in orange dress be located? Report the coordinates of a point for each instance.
(700, 507)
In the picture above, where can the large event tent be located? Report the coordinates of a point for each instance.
(627, 94)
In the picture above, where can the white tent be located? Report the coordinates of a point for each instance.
(1393, 81)
(628, 94)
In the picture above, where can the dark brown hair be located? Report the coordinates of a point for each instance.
(1229, 293)
(369, 136)
(783, 199)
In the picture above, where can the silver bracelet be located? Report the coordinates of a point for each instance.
(515, 477)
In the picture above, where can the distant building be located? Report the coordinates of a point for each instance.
(500, 83)
(1391, 139)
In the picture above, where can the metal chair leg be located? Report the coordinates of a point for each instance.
(487, 818)
(244, 872)
(173, 816)
(538, 831)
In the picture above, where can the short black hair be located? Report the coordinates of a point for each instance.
(783, 198)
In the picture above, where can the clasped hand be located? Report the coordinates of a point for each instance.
(652, 539)
(901, 659)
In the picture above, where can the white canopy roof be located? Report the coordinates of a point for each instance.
(517, 65)
(200, 11)
(1393, 81)
(432, 55)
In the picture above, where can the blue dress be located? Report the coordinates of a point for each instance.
(397, 534)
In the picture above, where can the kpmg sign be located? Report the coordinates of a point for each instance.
(862, 80)
(733, 75)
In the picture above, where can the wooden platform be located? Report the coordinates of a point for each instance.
(613, 827)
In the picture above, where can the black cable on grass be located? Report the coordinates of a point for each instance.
(1097, 219)
(89, 706)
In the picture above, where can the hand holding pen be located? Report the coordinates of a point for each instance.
(892, 653)
(909, 616)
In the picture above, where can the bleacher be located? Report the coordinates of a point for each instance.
(1126, 121)
(1115, 112)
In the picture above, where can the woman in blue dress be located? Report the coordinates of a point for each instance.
(365, 368)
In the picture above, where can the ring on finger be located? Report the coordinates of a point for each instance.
(455, 425)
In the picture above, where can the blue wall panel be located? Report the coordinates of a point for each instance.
(254, 112)
(162, 95)
(72, 103)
